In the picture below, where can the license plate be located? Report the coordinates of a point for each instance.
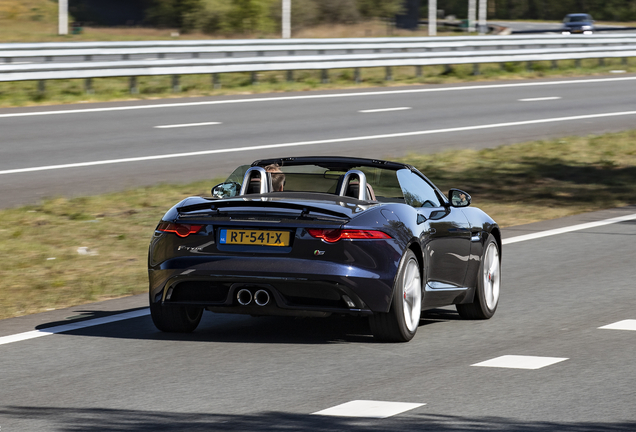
(254, 237)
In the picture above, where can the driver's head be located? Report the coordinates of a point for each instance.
(278, 178)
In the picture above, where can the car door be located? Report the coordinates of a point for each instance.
(444, 233)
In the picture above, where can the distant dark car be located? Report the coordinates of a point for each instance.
(578, 23)
(313, 236)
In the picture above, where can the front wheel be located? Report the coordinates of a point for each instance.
(488, 282)
(175, 319)
(402, 320)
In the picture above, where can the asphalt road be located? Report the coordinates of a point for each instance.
(86, 149)
(244, 373)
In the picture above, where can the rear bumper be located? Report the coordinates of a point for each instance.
(294, 286)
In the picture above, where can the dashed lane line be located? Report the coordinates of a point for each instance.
(317, 142)
(369, 409)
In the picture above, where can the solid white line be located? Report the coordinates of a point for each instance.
(540, 99)
(384, 110)
(187, 125)
(73, 326)
(317, 96)
(307, 143)
(572, 228)
(628, 324)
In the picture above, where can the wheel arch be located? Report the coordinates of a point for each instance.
(496, 233)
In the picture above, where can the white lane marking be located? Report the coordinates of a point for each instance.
(369, 409)
(384, 110)
(315, 96)
(569, 229)
(307, 143)
(628, 324)
(187, 125)
(540, 99)
(618, 71)
(521, 362)
(73, 326)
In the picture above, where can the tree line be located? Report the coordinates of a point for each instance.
(264, 16)
(256, 16)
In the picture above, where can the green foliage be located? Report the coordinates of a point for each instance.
(380, 8)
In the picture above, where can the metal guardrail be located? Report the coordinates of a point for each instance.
(596, 48)
(89, 50)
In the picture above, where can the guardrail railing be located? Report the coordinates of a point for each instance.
(194, 49)
(596, 47)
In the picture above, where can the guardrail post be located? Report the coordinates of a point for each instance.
(555, 64)
(88, 58)
(88, 86)
(291, 52)
(133, 85)
(195, 55)
(260, 53)
(601, 61)
(325, 76)
(176, 88)
(41, 87)
(290, 76)
(624, 60)
(8, 59)
(356, 76)
(577, 63)
(161, 55)
(529, 66)
(125, 56)
(476, 69)
(48, 59)
(389, 74)
(254, 77)
(447, 69)
(418, 71)
(349, 51)
(216, 81)
(228, 54)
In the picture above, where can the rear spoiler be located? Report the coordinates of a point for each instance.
(304, 209)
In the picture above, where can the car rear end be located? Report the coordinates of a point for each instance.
(274, 256)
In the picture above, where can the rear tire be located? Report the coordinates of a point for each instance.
(401, 322)
(486, 298)
(175, 319)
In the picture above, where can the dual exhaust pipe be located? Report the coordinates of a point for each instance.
(245, 297)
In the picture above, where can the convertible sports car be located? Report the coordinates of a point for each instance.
(314, 236)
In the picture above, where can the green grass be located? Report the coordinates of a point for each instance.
(515, 184)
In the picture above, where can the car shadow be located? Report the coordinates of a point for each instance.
(116, 420)
(234, 328)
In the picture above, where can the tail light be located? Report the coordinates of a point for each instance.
(333, 235)
(182, 230)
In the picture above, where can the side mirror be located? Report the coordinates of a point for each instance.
(459, 198)
(226, 190)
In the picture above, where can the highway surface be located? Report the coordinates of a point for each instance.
(546, 361)
(85, 149)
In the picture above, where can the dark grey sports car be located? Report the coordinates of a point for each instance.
(313, 236)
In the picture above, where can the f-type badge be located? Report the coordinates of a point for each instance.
(319, 252)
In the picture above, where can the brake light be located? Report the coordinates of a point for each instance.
(333, 235)
(182, 230)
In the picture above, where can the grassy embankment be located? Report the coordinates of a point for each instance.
(515, 184)
(35, 21)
